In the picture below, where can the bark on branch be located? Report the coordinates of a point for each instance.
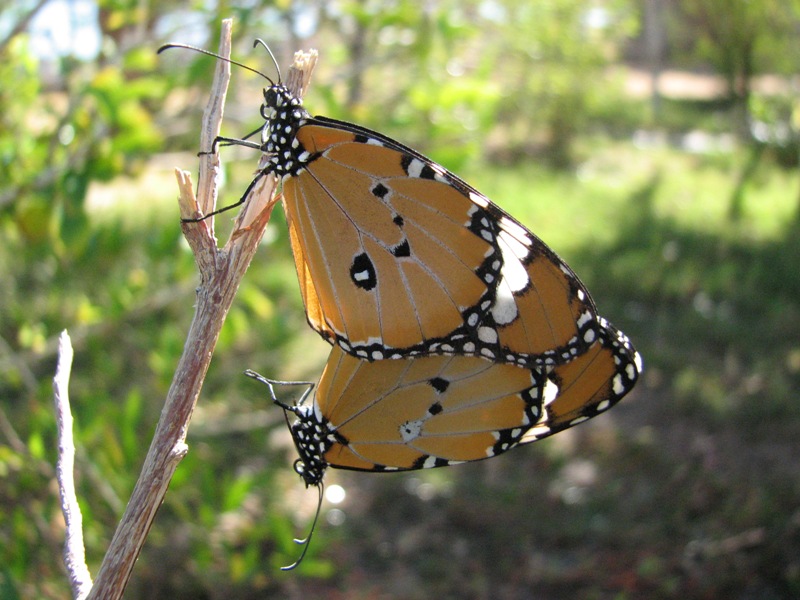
(74, 553)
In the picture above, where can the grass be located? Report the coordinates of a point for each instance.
(693, 191)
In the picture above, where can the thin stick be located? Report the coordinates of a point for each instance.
(221, 271)
(74, 554)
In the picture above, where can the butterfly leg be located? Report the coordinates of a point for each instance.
(221, 140)
(239, 202)
(270, 383)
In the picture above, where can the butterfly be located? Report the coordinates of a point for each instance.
(398, 257)
(439, 410)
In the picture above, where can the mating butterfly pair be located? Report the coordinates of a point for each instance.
(457, 333)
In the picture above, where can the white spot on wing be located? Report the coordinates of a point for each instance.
(478, 199)
(487, 335)
(513, 247)
(415, 167)
(411, 430)
(519, 233)
(504, 309)
(514, 274)
(429, 463)
(550, 391)
(514, 278)
(619, 386)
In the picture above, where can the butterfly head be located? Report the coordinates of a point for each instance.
(311, 432)
(278, 98)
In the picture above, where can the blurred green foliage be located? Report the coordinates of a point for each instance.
(691, 252)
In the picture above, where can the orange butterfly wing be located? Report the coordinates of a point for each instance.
(424, 412)
(589, 385)
(376, 279)
(433, 411)
(397, 257)
(542, 314)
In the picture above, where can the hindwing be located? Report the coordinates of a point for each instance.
(434, 411)
(590, 384)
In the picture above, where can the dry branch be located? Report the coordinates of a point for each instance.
(74, 554)
(221, 271)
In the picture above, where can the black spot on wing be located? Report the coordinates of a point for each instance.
(439, 384)
(362, 272)
(415, 167)
(379, 190)
(427, 172)
(402, 249)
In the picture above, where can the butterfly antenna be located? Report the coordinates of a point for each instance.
(305, 542)
(217, 56)
(271, 55)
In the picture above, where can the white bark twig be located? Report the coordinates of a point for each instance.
(74, 553)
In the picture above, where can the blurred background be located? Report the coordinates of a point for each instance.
(653, 144)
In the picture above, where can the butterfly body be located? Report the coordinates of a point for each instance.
(398, 257)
